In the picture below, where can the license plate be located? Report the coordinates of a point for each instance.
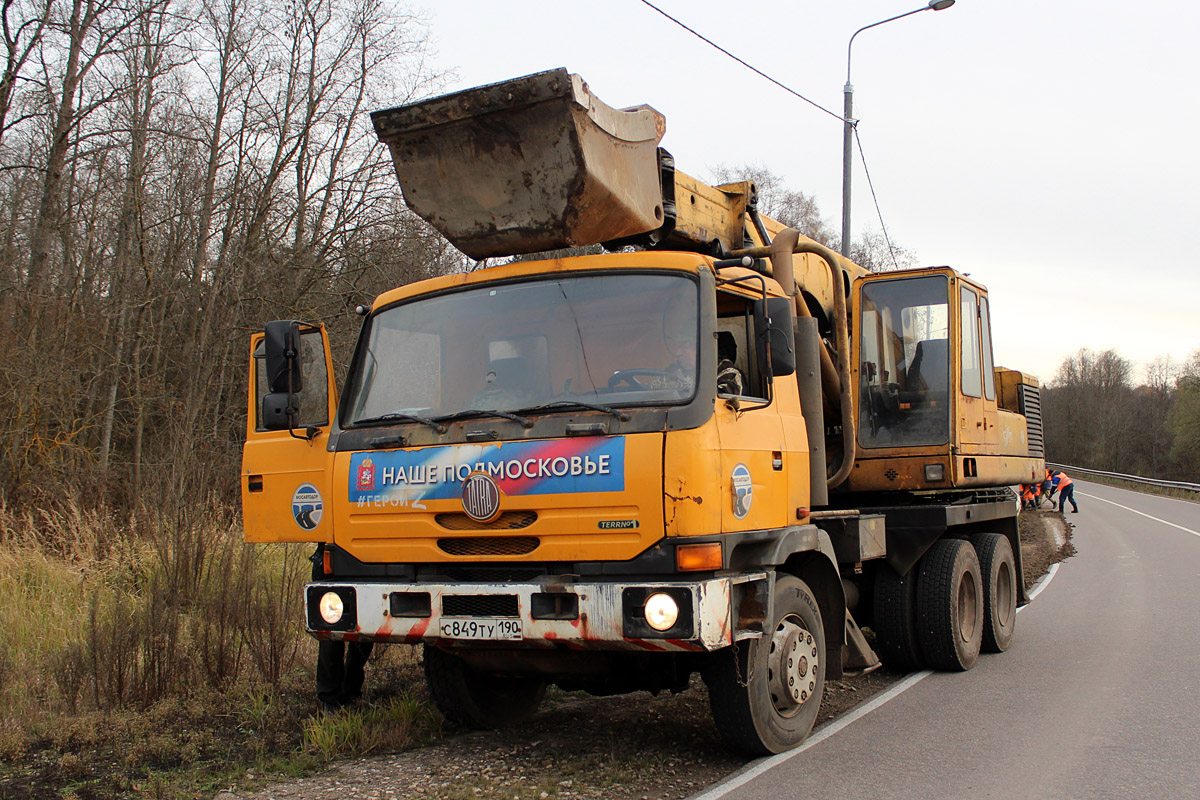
(481, 628)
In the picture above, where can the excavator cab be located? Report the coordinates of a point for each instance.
(904, 349)
(927, 408)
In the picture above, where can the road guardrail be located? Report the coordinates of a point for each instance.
(1181, 485)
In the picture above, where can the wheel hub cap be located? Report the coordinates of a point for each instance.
(792, 666)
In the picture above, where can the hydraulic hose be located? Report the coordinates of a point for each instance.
(787, 243)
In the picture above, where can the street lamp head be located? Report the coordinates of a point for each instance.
(940, 5)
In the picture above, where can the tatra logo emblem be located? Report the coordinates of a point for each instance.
(481, 497)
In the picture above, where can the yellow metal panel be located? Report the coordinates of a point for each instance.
(999, 471)
(750, 443)
(706, 214)
(899, 472)
(692, 484)
(1009, 382)
(689, 262)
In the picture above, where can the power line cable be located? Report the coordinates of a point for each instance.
(749, 66)
(853, 123)
(875, 199)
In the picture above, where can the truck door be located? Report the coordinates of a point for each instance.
(285, 473)
(756, 494)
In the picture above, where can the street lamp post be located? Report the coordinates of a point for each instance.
(848, 116)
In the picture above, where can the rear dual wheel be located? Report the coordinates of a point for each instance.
(895, 619)
(950, 605)
(1000, 589)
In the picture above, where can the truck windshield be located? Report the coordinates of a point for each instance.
(614, 340)
(904, 363)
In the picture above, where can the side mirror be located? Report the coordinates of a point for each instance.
(277, 412)
(281, 351)
(281, 346)
(773, 326)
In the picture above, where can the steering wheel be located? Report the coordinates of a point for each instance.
(629, 377)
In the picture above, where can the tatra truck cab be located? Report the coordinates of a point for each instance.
(716, 449)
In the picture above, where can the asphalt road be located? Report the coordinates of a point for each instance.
(1098, 697)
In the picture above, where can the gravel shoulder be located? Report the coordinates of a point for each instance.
(631, 747)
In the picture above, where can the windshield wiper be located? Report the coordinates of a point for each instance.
(525, 422)
(398, 415)
(621, 415)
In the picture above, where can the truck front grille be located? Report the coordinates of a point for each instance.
(489, 545)
(509, 520)
(480, 605)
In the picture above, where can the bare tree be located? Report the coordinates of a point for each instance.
(23, 24)
(793, 208)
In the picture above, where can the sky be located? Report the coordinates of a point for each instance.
(1048, 149)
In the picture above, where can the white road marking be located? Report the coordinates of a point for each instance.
(1143, 514)
(829, 729)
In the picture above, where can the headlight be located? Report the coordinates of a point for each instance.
(935, 473)
(661, 611)
(331, 607)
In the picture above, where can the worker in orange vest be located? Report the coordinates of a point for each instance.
(1027, 496)
(1047, 490)
(1066, 492)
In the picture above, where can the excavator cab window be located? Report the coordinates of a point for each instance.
(904, 369)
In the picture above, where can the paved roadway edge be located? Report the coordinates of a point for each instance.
(1142, 513)
(756, 768)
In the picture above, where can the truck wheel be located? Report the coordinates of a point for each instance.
(950, 605)
(476, 699)
(765, 692)
(895, 619)
(999, 571)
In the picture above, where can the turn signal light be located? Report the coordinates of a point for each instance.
(696, 557)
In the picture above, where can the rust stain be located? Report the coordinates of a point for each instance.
(585, 628)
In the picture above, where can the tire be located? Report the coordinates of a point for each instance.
(765, 692)
(950, 606)
(476, 699)
(1000, 588)
(895, 620)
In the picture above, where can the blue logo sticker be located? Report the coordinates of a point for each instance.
(307, 506)
(743, 491)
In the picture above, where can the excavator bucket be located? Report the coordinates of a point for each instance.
(527, 165)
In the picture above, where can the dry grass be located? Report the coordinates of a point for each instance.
(160, 654)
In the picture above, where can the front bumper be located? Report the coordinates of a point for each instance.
(581, 616)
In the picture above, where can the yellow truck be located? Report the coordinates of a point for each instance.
(716, 448)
